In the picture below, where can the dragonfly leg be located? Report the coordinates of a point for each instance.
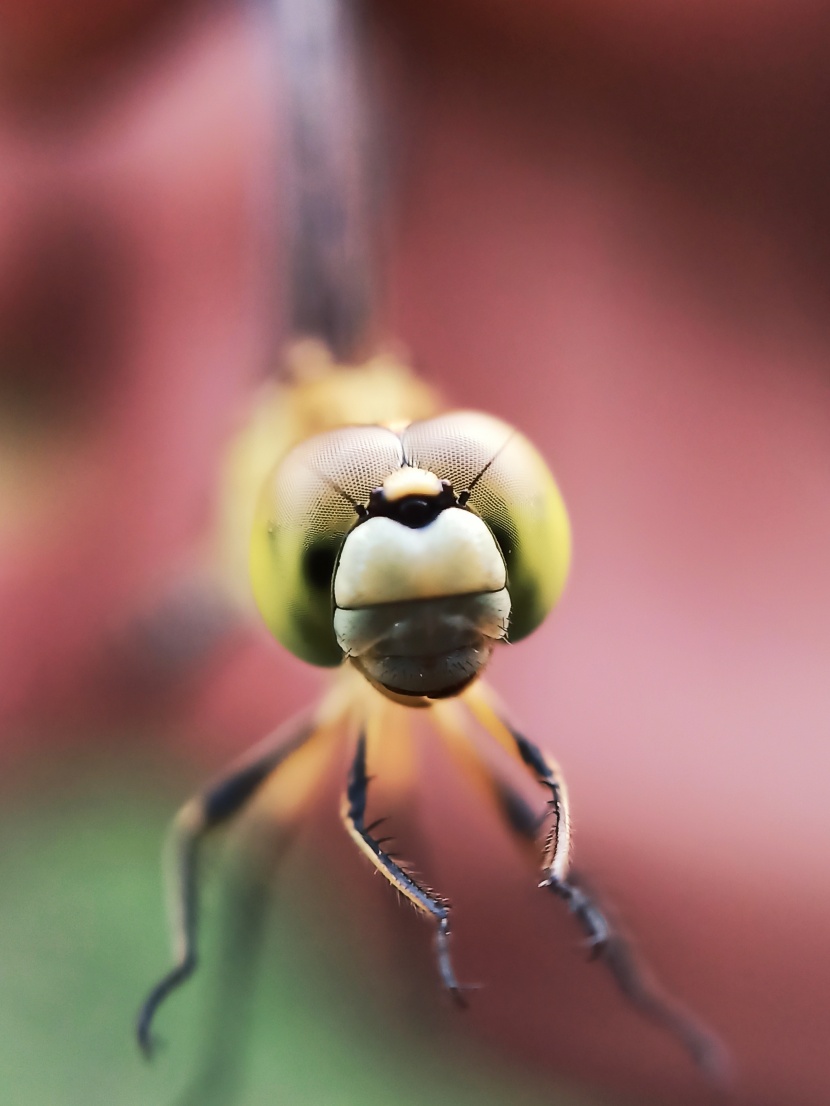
(215, 806)
(635, 981)
(427, 902)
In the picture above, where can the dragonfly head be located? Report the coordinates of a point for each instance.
(411, 551)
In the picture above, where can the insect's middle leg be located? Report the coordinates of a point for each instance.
(353, 811)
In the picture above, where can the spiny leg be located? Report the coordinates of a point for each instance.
(453, 725)
(634, 980)
(522, 821)
(353, 812)
(197, 817)
(556, 856)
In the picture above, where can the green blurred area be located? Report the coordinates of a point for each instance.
(295, 1022)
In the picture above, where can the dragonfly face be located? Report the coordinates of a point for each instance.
(410, 552)
(420, 589)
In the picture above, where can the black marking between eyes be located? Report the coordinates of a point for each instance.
(413, 511)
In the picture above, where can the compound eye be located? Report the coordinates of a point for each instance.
(320, 561)
(511, 488)
(308, 505)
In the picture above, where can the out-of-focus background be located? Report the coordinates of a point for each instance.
(612, 228)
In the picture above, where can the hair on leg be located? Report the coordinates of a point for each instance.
(353, 811)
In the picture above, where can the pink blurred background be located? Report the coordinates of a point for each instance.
(612, 229)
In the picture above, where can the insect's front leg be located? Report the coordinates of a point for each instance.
(556, 858)
(634, 980)
(519, 816)
(428, 903)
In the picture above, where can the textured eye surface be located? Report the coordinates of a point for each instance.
(512, 490)
(306, 509)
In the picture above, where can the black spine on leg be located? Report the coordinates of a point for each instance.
(357, 788)
(423, 899)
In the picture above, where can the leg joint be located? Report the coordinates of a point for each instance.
(532, 756)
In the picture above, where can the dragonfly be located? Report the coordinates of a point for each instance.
(396, 543)
(401, 546)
